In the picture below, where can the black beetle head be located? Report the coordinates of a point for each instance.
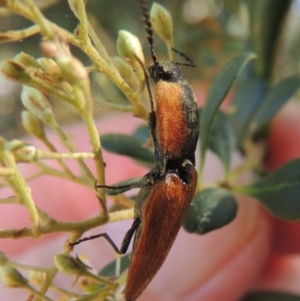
(165, 71)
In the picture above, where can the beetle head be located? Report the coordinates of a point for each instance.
(166, 71)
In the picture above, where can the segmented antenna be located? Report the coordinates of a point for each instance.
(149, 30)
(189, 61)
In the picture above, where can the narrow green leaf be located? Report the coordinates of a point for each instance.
(265, 29)
(279, 192)
(211, 209)
(110, 269)
(274, 100)
(216, 94)
(130, 184)
(128, 146)
(222, 139)
(248, 96)
(271, 296)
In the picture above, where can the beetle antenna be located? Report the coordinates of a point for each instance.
(149, 29)
(152, 115)
(147, 83)
(189, 61)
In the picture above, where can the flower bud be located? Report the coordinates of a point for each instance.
(22, 151)
(12, 277)
(37, 278)
(69, 265)
(14, 145)
(129, 47)
(32, 125)
(48, 116)
(161, 21)
(35, 102)
(15, 71)
(49, 65)
(49, 48)
(72, 69)
(26, 60)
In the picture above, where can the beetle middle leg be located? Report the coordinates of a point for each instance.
(125, 243)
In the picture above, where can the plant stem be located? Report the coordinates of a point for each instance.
(24, 192)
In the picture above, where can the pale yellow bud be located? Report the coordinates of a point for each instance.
(36, 102)
(69, 265)
(37, 278)
(26, 60)
(129, 48)
(32, 125)
(15, 71)
(49, 65)
(72, 69)
(161, 21)
(12, 277)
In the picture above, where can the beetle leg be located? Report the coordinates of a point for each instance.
(125, 243)
(128, 236)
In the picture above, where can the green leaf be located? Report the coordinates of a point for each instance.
(279, 192)
(142, 133)
(211, 209)
(131, 183)
(265, 29)
(216, 94)
(248, 96)
(110, 269)
(274, 100)
(271, 296)
(222, 139)
(128, 146)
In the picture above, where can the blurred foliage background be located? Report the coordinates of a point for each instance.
(208, 31)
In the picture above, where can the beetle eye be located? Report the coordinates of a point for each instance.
(160, 71)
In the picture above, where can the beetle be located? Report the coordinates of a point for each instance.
(174, 123)
(167, 190)
(160, 207)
